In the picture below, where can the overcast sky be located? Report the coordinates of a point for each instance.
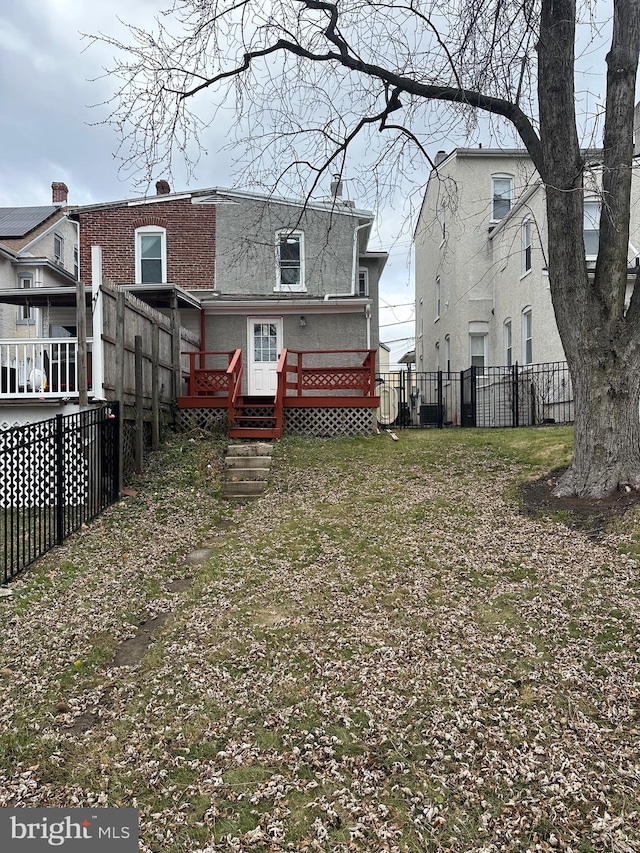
(51, 132)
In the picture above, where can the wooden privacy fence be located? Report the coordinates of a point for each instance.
(145, 357)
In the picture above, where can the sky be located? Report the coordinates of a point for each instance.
(52, 86)
(54, 90)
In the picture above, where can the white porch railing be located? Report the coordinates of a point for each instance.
(37, 368)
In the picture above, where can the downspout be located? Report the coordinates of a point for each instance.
(354, 272)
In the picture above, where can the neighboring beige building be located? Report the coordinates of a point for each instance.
(38, 249)
(482, 288)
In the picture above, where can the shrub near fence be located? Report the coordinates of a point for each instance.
(510, 396)
(55, 475)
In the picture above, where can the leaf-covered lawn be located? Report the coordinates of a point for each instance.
(380, 654)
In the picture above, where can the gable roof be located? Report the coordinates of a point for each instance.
(19, 221)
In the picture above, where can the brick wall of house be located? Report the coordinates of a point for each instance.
(190, 241)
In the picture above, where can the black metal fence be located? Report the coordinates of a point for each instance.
(518, 395)
(55, 475)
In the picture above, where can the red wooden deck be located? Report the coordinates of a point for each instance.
(305, 378)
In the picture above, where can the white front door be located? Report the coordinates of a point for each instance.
(264, 346)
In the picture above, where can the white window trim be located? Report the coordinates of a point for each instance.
(438, 300)
(290, 288)
(21, 319)
(593, 200)
(526, 234)
(364, 272)
(501, 176)
(527, 312)
(507, 333)
(485, 354)
(139, 233)
(58, 258)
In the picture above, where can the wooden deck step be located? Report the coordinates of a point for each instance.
(254, 432)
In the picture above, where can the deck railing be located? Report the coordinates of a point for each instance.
(234, 384)
(36, 368)
(313, 374)
(209, 373)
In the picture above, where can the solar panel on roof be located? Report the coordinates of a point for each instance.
(18, 221)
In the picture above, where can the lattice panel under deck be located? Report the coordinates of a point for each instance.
(328, 423)
(207, 420)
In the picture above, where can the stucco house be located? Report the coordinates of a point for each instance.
(482, 289)
(283, 293)
(38, 254)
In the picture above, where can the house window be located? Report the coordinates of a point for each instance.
(591, 228)
(58, 248)
(502, 196)
(151, 255)
(76, 261)
(290, 254)
(447, 354)
(526, 246)
(26, 313)
(437, 356)
(363, 282)
(527, 337)
(508, 343)
(478, 351)
(437, 299)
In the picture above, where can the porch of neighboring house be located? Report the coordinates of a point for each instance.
(40, 369)
(315, 392)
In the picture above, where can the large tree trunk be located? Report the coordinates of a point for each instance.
(598, 335)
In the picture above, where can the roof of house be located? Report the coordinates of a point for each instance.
(221, 195)
(19, 221)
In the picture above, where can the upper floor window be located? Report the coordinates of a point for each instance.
(363, 281)
(26, 313)
(76, 261)
(290, 259)
(526, 246)
(527, 336)
(58, 248)
(437, 298)
(501, 195)
(151, 255)
(591, 228)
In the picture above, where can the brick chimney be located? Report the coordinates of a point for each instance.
(59, 192)
(162, 188)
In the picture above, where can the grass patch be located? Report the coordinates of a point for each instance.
(373, 649)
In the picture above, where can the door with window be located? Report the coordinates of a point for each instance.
(264, 347)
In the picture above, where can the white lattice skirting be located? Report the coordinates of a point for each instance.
(330, 423)
(321, 423)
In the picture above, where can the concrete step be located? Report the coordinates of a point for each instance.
(236, 475)
(255, 448)
(246, 470)
(244, 488)
(247, 462)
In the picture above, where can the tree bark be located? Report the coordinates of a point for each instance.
(596, 331)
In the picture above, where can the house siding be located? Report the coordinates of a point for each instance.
(246, 246)
(479, 263)
(190, 236)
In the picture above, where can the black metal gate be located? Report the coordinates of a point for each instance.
(55, 475)
(510, 396)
